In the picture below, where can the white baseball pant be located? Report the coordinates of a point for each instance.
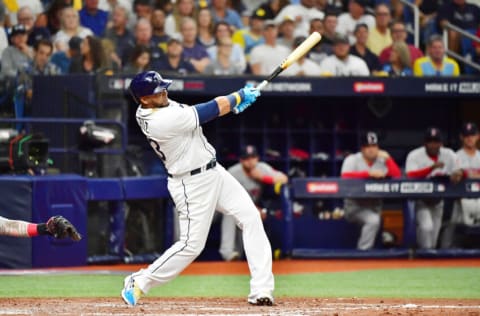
(196, 199)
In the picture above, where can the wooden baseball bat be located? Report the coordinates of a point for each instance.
(298, 53)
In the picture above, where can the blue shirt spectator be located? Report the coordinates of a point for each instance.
(93, 18)
(220, 12)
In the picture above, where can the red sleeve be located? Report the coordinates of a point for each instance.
(383, 58)
(393, 169)
(420, 173)
(267, 180)
(356, 174)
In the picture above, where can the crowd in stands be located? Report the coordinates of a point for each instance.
(232, 37)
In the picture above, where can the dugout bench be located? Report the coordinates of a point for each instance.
(407, 190)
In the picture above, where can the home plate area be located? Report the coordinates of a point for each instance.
(235, 306)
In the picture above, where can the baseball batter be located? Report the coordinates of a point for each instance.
(428, 161)
(370, 162)
(198, 185)
(56, 226)
(252, 175)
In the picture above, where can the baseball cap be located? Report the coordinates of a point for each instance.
(260, 14)
(433, 134)
(340, 39)
(248, 151)
(469, 129)
(369, 138)
(174, 38)
(18, 29)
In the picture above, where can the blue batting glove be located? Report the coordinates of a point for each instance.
(250, 95)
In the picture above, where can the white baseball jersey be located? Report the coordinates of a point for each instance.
(176, 136)
(308, 67)
(351, 66)
(467, 162)
(419, 159)
(269, 57)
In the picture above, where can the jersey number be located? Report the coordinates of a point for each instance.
(156, 147)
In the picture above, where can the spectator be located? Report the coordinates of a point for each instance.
(286, 32)
(399, 64)
(266, 57)
(342, 63)
(428, 16)
(110, 5)
(476, 46)
(3, 32)
(139, 60)
(173, 61)
(237, 57)
(466, 212)
(253, 175)
(380, 37)
(92, 59)
(18, 55)
(35, 6)
(52, 17)
(221, 12)
(304, 66)
(205, 36)
(223, 63)
(183, 9)
(70, 26)
(370, 162)
(142, 9)
(436, 63)
(26, 17)
(302, 13)
(114, 62)
(330, 23)
(271, 8)
(253, 36)
(40, 64)
(159, 36)
(93, 18)
(324, 48)
(195, 53)
(399, 34)
(142, 36)
(118, 31)
(461, 14)
(63, 59)
(360, 49)
(429, 161)
(355, 15)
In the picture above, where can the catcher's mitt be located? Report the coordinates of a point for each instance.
(60, 227)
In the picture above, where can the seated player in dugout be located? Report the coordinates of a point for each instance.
(370, 162)
(253, 175)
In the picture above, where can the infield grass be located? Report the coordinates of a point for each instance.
(388, 283)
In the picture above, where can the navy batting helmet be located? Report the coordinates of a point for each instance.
(147, 83)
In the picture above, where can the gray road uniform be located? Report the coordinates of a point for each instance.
(465, 211)
(429, 212)
(230, 244)
(365, 212)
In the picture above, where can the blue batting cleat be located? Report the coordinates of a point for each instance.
(131, 293)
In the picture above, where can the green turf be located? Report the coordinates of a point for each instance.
(411, 283)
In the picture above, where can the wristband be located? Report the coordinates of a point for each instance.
(267, 179)
(236, 98)
(32, 230)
